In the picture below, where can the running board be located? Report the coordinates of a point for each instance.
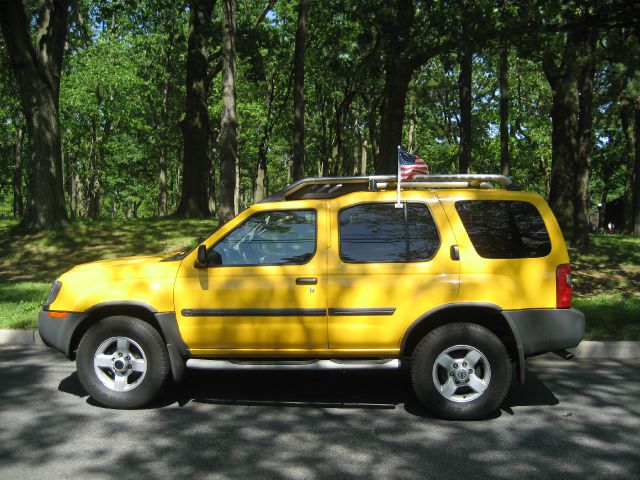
(208, 364)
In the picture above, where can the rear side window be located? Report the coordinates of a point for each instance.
(381, 233)
(504, 229)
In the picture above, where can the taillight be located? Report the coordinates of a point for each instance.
(563, 286)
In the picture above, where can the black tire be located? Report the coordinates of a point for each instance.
(424, 376)
(146, 347)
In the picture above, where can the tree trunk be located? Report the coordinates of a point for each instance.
(236, 190)
(195, 125)
(372, 119)
(323, 167)
(395, 93)
(357, 141)
(411, 143)
(211, 176)
(398, 73)
(585, 134)
(564, 120)
(626, 113)
(464, 91)
(17, 175)
(636, 172)
(298, 91)
(563, 79)
(37, 69)
(162, 137)
(504, 108)
(363, 157)
(261, 186)
(228, 130)
(93, 181)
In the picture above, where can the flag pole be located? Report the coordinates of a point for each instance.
(398, 204)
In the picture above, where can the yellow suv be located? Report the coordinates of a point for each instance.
(456, 279)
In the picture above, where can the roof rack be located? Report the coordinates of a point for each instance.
(331, 187)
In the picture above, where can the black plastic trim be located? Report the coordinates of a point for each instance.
(446, 306)
(546, 330)
(120, 303)
(491, 306)
(58, 332)
(169, 327)
(254, 312)
(352, 312)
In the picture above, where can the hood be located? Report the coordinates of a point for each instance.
(148, 266)
(119, 262)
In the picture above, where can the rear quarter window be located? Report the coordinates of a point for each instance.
(504, 229)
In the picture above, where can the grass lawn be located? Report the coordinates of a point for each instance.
(607, 274)
(30, 262)
(607, 286)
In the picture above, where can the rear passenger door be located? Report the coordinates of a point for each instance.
(386, 267)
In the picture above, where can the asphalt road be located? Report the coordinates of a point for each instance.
(577, 419)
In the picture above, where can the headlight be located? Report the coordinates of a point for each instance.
(53, 293)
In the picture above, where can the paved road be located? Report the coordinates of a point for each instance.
(578, 419)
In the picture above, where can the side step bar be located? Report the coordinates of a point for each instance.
(208, 364)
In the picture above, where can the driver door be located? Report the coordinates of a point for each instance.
(264, 289)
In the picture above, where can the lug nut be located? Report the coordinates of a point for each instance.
(457, 382)
(455, 365)
(464, 364)
(128, 357)
(130, 367)
(119, 354)
(471, 370)
(451, 373)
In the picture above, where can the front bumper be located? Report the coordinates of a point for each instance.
(58, 332)
(545, 330)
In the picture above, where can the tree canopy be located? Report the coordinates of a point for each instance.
(112, 108)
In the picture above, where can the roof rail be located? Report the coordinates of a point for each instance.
(329, 187)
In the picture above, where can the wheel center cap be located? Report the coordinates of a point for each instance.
(462, 374)
(119, 365)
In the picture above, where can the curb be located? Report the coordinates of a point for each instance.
(586, 349)
(24, 338)
(619, 350)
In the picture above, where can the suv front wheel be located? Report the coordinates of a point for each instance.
(461, 371)
(122, 362)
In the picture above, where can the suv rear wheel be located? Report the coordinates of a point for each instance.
(122, 362)
(461, 371)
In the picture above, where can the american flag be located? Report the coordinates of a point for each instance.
(411, 165)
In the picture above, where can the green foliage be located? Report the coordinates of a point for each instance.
(126, 60)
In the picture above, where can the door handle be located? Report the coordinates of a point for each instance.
(454, 252)
(306, 281)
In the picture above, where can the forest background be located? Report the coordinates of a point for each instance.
(123, 108)
(112, 110)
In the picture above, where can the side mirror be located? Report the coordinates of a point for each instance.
(214, 258)
(201, 260)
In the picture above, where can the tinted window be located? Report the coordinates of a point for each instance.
(377, 232)
(269, 238)
(504, 229)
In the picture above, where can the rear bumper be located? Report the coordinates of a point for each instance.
(545, 330)
(57, 332)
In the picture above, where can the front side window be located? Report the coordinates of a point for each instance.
(286, 237)
(504, 229)
(381, 233)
